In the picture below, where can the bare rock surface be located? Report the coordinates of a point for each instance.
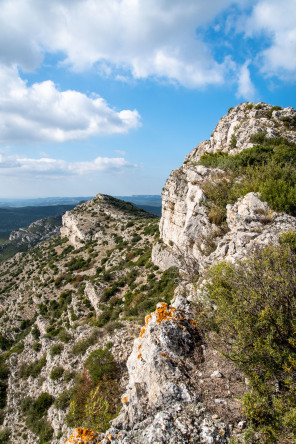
(163, 401)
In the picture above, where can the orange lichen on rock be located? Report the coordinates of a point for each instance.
(124, 400)
(164, 355)
(82, 436)
(147, 319)
(139, 347)
(164, 312)
(139, 355)
(193, 323)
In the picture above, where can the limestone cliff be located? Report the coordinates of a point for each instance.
(187, 233)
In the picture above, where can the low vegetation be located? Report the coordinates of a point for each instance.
(268, 168)
(95, 398)
(251, 319)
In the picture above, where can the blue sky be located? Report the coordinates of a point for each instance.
(108, 96)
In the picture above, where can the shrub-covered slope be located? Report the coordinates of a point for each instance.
(68, 318)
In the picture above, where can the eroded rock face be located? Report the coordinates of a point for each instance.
(161, 404)
(87, 221)
(186, 232)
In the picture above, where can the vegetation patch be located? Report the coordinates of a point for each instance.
(35, 411)
(251, 319)
(96, 395)
(268, 168)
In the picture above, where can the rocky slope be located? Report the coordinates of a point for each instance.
(58, 304)
(93, 330)
(37, 231)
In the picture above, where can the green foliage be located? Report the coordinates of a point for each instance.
(4, 374)
(254, 324)
(268, 168)
(81, 346)
(233, 141)
(56, 373)
(56, 349)
(62, 402)
(95, 398)
(4, 436)
(100, 364)
(35, 412)
(78, 263)
(33, 369)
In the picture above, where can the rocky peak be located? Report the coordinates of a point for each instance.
(233, 132)
(187, 233)
(90, 220)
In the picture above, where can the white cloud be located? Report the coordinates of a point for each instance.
(42, 112)
(276, 21)
(17, 165)
(246, 88)
(144, 37)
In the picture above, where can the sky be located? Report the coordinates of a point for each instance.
(108, 96)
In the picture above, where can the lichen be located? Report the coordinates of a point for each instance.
(164, 312)
(82, 436)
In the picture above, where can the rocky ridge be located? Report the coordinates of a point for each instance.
(90, 289)
(186, 232)
(37, 232)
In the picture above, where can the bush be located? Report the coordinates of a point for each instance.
(56, 349)
(4, 436)
(254, 324)
(96, 394)
(100, 364)
(35, 412)
(56, 373)
(62, 402)
(33, 369)
(268, 168)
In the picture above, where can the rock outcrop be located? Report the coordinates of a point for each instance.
(187, 234)
(86, 222)
(162, 403)
(37, 231)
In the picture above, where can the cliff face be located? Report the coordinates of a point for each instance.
(186, 231)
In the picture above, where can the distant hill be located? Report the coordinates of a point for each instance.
(42, 201)
(14, 218)
(147, 202)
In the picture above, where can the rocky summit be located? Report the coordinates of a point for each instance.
(105, 331)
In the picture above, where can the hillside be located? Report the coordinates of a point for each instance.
(14, 218)
(182, 334)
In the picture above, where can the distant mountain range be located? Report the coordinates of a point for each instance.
(19, 213)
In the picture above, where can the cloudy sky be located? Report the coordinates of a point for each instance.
(109, 95)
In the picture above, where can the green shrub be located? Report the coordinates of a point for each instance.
(35, 412)
(268, 168)
(56, 349)
(56, 373)
(81, 346)
(33, 369)
(4, 436)
(254, 324)
(100, 364)
(62, 402)
(96, 394)
(233, 141)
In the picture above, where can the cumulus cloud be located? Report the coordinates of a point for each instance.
(246, 88)
(144, 37)
(42, 112)
(275, 21)
(12, 165)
